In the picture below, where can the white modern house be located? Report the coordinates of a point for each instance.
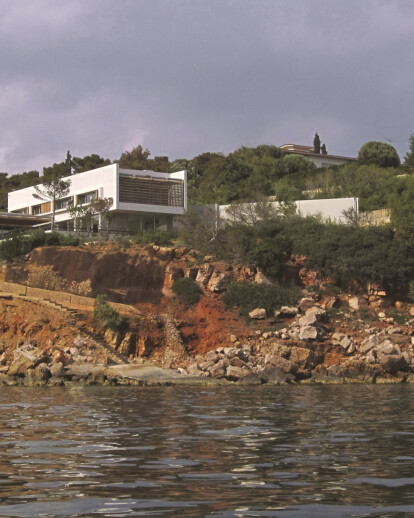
(142, 200)
(319, 160)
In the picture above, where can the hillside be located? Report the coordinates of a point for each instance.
(328, 336)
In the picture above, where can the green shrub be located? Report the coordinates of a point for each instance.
(247, 296)
(109, 317)
(160, 238)
(187, 290)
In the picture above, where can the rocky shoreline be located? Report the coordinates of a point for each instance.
(295, 354)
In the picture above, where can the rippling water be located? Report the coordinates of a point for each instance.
(317, 451)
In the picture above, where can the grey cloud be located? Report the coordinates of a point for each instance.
(188, 76)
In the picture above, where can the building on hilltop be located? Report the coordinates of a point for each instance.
(142, 200)
(318, 159)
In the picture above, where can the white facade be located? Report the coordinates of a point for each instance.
(328, 209)
(142, 200)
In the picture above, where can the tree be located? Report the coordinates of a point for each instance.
(102, 206)
(52, 189)
(78, 214)
(135, 159)
(323, 149)
(316, 144)
(378, 153)
(409, 157)
(89, 162)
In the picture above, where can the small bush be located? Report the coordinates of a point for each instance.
(398, 317)
(109, 318)
(160, 238)
(187, 290)
(247, 296)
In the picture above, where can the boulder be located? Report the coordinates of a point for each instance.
(218, 282)
(288, 311)
(283, 364)
(306, 303)
(260, 278)
(312, 315)
(308, 333)
(204, 273)
(26, 357)
(272, 374)
(217, 371)
(393, 363)
(258, 314)
(235, 373)
(356, 303)
(302, 357)
(387, 347)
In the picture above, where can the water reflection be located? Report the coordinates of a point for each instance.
(220, 452)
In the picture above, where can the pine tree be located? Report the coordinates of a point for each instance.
(409, 157)
(323, 149)
(317, 144)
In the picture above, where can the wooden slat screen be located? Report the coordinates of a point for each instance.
(151, 191)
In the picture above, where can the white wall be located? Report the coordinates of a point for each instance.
(105, 181)
(329, 209)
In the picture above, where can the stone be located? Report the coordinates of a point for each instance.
(41, 372)
(251, 379)
(345, 343)
(258, 314)
(194, 369)
(218, 282)
(112, 338)
(306, 303)
(351, 349)
(393, 363)
(308, 333)
(412, 311)
(212, 356)
(302, 357)
(272, 374)
(288, 311)
(217, 371)
(260, 278)
(233, 338)
(57, 369)
(237, 362)
(283, 364)
(204, 273)
(386, 347)
(356, 303)
(312, 315)
(235, 373)
(338, 337)
(26, 357)
(127, 346)
(394, 331)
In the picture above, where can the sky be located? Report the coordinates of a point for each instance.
(183, 77)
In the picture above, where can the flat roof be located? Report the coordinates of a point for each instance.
(11, 220)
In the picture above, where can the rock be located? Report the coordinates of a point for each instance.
(288, 311)
(412, 311)
(306, 303)
(351, 349)
(127, 346)
(40, 373)
(194, 369)
(26, 357)
(235, 373)
(272, 374)
(393, 363)
(237, 362)
(257, 314)
(357, 303)
(57, 370)
(312, 315)
(283, 364)
(113, 338)
(212, 356)
(387, 347)
(218, 371)
(345, 343)
(251, 379)
(308, 333)
(394, 331)
(233, 338)
(330, 302)
(335, 371)
(338, 337)
(204, 273)
(218, 282)
(303, 358)
(260, 278)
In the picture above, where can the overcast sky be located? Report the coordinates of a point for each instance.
(182, 77)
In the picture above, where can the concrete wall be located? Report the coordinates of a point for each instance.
(329, 209)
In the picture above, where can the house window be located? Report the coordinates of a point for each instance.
(36, 210)
(21, 211)
(87, 197)
(63, 204)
